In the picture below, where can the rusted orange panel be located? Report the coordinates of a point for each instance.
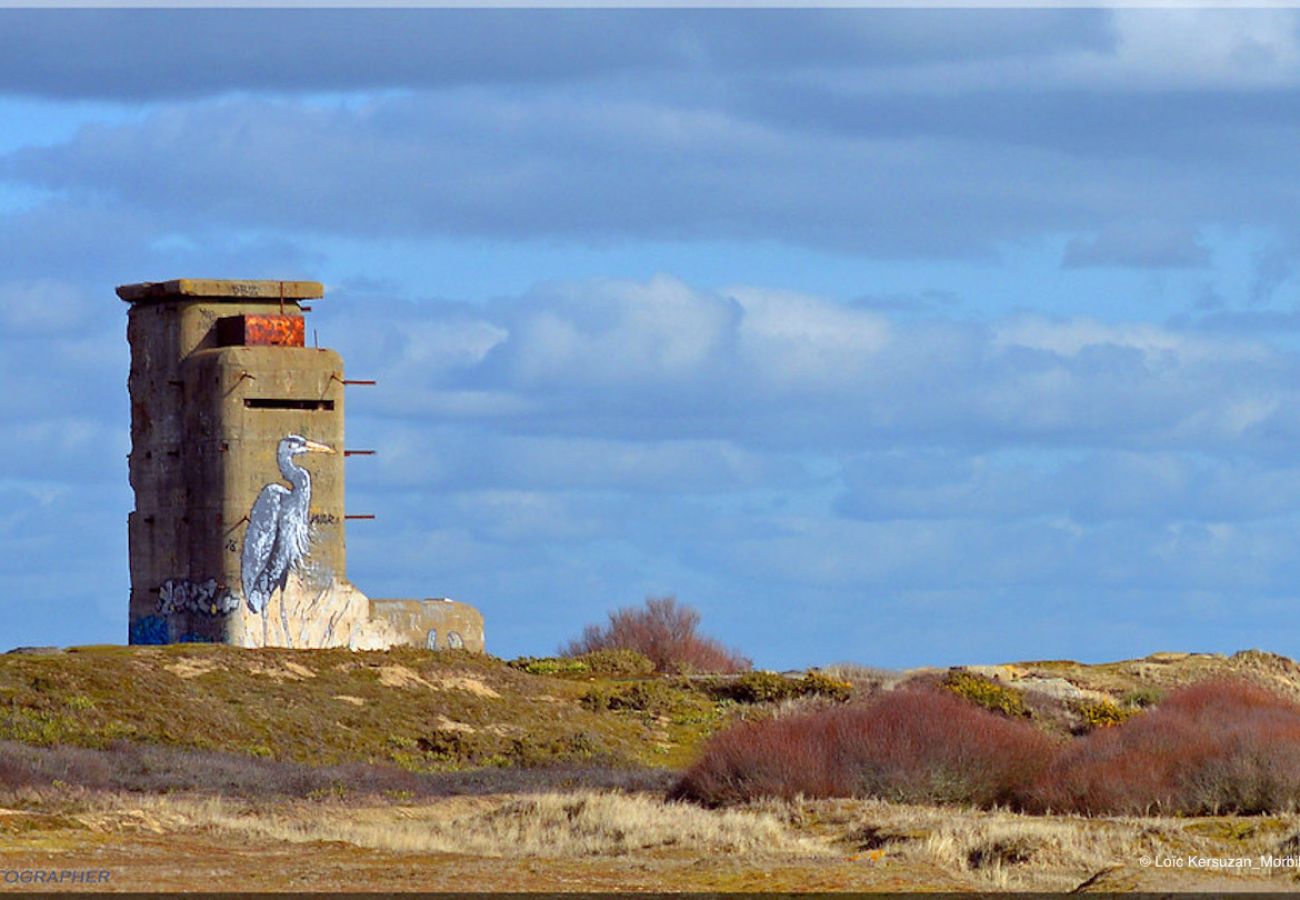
(261, 331)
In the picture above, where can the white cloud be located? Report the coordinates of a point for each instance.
(1070, 337)
(1067, 487)
(1148, 50)
(792, 340)
(659, 360)
(616, 333)
(1204, 48)
(426, 455)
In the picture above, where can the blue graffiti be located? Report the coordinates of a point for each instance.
(149, 630)
(192, 638)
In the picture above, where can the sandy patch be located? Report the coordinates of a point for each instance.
(287, 671)
(192, 668)
(464, 683)
(154, 821)
(999, 673)
(355, 701)
(401, 677)
(452, 725)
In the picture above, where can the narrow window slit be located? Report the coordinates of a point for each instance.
(278, 403)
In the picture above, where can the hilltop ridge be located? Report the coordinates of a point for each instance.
(437, 711)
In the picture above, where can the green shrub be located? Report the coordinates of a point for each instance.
(550, 665)
(596, 699)
(762, 687)
(453, 745)
(769, 687)
(643, 696)
(567, 748)
(1143, 698)
(618, 663)
(986, 692)
(612, 663)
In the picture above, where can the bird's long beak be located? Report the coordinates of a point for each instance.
(319, 448)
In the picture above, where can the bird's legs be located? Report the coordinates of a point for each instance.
(284, 620)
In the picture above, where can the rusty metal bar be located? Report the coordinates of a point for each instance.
(359, 517)
(238, 381)
(357, 381)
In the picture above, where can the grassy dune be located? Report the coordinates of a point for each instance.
(206, 767)
(418, 710)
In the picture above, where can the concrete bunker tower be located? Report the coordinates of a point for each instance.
(237, 462)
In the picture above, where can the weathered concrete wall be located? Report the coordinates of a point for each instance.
(237, 463)
(436, 624)
(183, 586)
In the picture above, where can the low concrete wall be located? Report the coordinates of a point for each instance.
(436, 624)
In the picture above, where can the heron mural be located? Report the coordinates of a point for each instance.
(215, 547)
(278, 538)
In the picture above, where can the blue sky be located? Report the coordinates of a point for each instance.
(895, 337)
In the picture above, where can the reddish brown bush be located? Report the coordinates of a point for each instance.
(664, 631)
(1214, 747)
(911, 745)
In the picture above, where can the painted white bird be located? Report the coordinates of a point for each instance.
(279, 530)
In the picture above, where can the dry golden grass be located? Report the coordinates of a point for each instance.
(866, 680)
(586, 823)
(631, 842)
(997, 849)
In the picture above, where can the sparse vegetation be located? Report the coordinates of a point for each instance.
(771, 687)
(145, 768)
(410, 708)
(1141, 698)
(612, 663)
(664, 631)
(575, 824)
(642, 696)
(864, 680)
(551, 665)
(619, 662)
